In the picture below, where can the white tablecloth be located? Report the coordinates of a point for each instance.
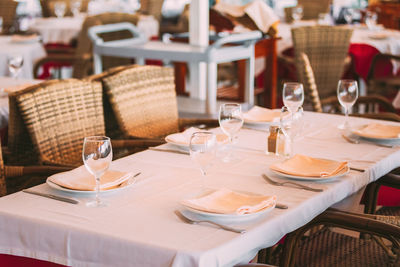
(31, 51)
(139, 227)
(58, 30)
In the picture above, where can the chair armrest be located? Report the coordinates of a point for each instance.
(377, 58)
(14, 171)
(248, 38)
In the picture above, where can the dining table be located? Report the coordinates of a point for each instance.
(30, 49)
(139, 226)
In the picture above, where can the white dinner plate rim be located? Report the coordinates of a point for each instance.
(305, 178)
(82, 192)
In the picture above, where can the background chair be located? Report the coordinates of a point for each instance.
(81, 57)
(143, 102)
(7, 12)
(327, 49)
(59, 114)
(372, 106)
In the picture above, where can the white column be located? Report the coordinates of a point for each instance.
(198, 35)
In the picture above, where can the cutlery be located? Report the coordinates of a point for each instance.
(358, 141)
(64, 199)
(130, 180)
(301, 186)
(357, 169)
(191, 221)
(169, 150)
(281, 206)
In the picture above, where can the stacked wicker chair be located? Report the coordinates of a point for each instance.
(81, 57)
(7, 12)
(143, 102)
(58, 114)
(327, 48)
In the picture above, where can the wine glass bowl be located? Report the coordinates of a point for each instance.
(297, 13)
(76, 7)
(203, 148)
(293, 95)
(15, 63)
(97, 156)
(59, 9)
(347, 94)
(230, 121)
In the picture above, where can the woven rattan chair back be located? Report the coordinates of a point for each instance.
(306, 75)
(7, 12)
(58, 115)
(327, 48)
(84, 48)
(143, 99)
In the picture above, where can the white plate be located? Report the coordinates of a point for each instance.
(384, 141)
(310, 179)
(169, 140)
(123, 186)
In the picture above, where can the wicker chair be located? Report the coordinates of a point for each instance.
(81, 57)
(143, 102)
(59, 114)
(48, 7)
(7, 12)
(327, 48)
(311, 9)
(328, 248)
(368, 104)
(387, 85)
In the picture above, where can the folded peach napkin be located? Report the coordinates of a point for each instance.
(225, 201)
(301, 165)
(259, 114)
(81, 179)
(377, 130)
(183, 138)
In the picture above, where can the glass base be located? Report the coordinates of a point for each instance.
(96, 204)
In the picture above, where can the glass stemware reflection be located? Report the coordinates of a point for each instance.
(97, 156)
(230, 120)
(297, 13)
(292, 125)
(293, 95)
(15, 63)
(203, 148)
(347, 93)
(59, 9)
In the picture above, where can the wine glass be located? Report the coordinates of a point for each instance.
(371, 19)
(15, 63)
(230, 120)
(203, 147)
(297, 13)
(76, 7)
(348, 15)
(97, 156)
(293, 95)
(291, 124)
(347, 93)
(59, 9)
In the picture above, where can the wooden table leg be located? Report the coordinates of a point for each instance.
(180, 77)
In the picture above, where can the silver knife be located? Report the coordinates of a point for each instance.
(281, 206)
(169, 150)
(64, 199)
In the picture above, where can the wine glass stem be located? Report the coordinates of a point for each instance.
(97, 178)
(346, 116)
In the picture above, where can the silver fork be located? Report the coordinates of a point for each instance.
(190, 221)
(358, 141)
(301, 186)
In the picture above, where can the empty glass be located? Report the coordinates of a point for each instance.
(203, 147)
(292, 125)
(59, 9)
(15, 63)
(297, 13)
(348, 15)
(76, 7)
(371, 20)
(230, 120)
(347, 93)
(97, 156)
(293, 95)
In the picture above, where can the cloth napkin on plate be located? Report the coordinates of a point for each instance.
(301, 165)
(377, 130)
(225, 201)
(184, 137)
(259, 114)
(81, 179)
